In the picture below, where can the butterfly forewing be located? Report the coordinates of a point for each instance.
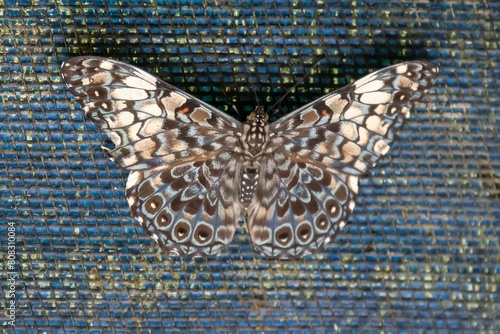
(195, 170)
(353, 127)
(182, 188)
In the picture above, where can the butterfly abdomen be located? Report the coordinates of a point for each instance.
(248, 184)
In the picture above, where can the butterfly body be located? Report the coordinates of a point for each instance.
(195, 170)
(253, 143)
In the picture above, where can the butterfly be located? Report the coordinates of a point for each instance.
(194, 170)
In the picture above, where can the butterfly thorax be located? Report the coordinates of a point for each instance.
(253, 142)
(255, 132)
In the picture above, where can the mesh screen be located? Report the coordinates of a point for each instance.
(421, 250)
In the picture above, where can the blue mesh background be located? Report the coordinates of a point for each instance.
(420, 253)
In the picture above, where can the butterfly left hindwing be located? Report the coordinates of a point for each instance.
(183, 183)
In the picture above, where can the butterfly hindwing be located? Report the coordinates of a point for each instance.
(299, 207)
(188, 207)
(319, 151)
(176, 146)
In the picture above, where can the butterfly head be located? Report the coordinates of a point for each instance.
(258, 117)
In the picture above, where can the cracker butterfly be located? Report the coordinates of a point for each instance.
(195, 170)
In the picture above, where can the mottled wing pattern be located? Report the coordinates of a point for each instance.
(310, 176)
(177, 147)
(299, 205)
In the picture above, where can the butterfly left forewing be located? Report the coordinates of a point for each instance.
(141, 113)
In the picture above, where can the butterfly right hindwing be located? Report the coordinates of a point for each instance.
(298, 206)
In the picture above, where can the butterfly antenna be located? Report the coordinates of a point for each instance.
(224, 88)
(253, 87)
(229, 103)
(294, 86)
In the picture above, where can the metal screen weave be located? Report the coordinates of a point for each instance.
(421, 251)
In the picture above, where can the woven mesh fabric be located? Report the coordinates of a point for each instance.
(421, 251)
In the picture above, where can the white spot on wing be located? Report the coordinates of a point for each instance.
(405, 111)
(138, 83)
(364, 136)
(351, 151)
(360, 165)
(371, 86)
(119, 120)
(149, 107)
(106, 65)
(375, 97)
(172, 102)
(130, 160)
(336, 104)
(128, 94)
(355, 110)
(133, 177)
(132, 132)
(381, 147)
(376, 124)
(349, 130)
(352, 183)
(401, 69)
(380, 109)
(151, 126)
(119, 105)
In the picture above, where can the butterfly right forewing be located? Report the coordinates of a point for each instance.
(353, 127)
